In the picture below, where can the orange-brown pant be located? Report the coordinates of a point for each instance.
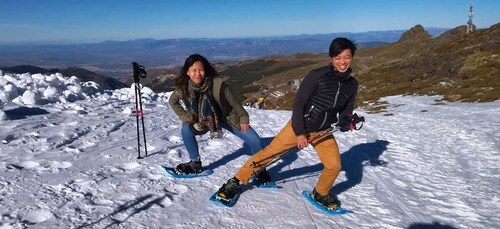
(326, 148)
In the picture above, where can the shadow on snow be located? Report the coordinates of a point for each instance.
(24, 112)
(245, 150)
(138, 205)
(353, 162)
(434, 225)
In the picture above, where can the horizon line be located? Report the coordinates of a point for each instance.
(97, 41)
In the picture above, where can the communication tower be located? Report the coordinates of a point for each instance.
(470, 25)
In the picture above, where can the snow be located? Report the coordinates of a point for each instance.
(68, 159)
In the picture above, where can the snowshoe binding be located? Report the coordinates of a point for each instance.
(263, 177)
(263, 180)
(228, 194)
(188, 170)
(325, 203)
(189, 167)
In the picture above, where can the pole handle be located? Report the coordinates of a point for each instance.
(139, 71)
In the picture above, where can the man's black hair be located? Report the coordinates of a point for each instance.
(340, 44)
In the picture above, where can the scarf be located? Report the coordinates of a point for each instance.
(203, 109)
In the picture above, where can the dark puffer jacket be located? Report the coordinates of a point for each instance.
(323, 94)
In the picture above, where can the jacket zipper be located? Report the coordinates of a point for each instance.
(334, 103)
(324, 120)
(337, 95)
(309, 112)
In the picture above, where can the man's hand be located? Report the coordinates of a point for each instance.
(302, 141)
(345, 124)
(244, 127)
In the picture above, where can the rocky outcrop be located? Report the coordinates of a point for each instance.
(417, 33)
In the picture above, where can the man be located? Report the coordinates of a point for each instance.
(324, 93)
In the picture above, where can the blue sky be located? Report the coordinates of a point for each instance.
(75, 21)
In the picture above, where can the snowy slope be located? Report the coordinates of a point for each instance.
(68, 159)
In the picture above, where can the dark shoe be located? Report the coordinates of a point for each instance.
(229, 190)
(190, 167)
(263, 177)
(327, 201)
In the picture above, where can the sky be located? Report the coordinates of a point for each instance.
(75, 21)
(68, 159)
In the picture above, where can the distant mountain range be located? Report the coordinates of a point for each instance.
(113, 58)
(452, 63)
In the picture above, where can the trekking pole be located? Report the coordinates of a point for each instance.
(355, 119)
(139, 71)
(277, 156)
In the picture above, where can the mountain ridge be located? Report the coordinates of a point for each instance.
(457, 65)
(113, 58)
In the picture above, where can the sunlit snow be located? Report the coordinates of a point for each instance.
(68, 159)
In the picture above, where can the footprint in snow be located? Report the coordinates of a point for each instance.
(30, 165)
(214, 145)
(179, 188)
(165, 202)
(8, 139)
(155, 176)
(150, 147)
(37, 216)
(60, 164)
(174, 155)
(175, 139)
(127, 110)
(130, 166)
(115, 126)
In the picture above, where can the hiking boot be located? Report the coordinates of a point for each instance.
(189, 167)
(263, 177)
(327, 201)
(229, 190)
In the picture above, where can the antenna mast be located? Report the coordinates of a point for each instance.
(470, 25)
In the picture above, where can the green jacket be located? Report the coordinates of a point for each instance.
(232, 111)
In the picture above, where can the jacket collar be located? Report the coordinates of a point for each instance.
(339, 76)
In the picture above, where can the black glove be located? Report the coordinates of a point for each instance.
(345, 124)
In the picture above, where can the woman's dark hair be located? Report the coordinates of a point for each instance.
(340, 44)
(182, 80)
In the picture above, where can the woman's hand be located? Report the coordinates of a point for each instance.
(302, 141)
(192, 118)
(244, 127)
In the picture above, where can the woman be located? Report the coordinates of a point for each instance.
(209, 105)
(324, 94)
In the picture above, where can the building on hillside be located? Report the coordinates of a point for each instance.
(277, 94)
(470, 25)
(294, 84)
